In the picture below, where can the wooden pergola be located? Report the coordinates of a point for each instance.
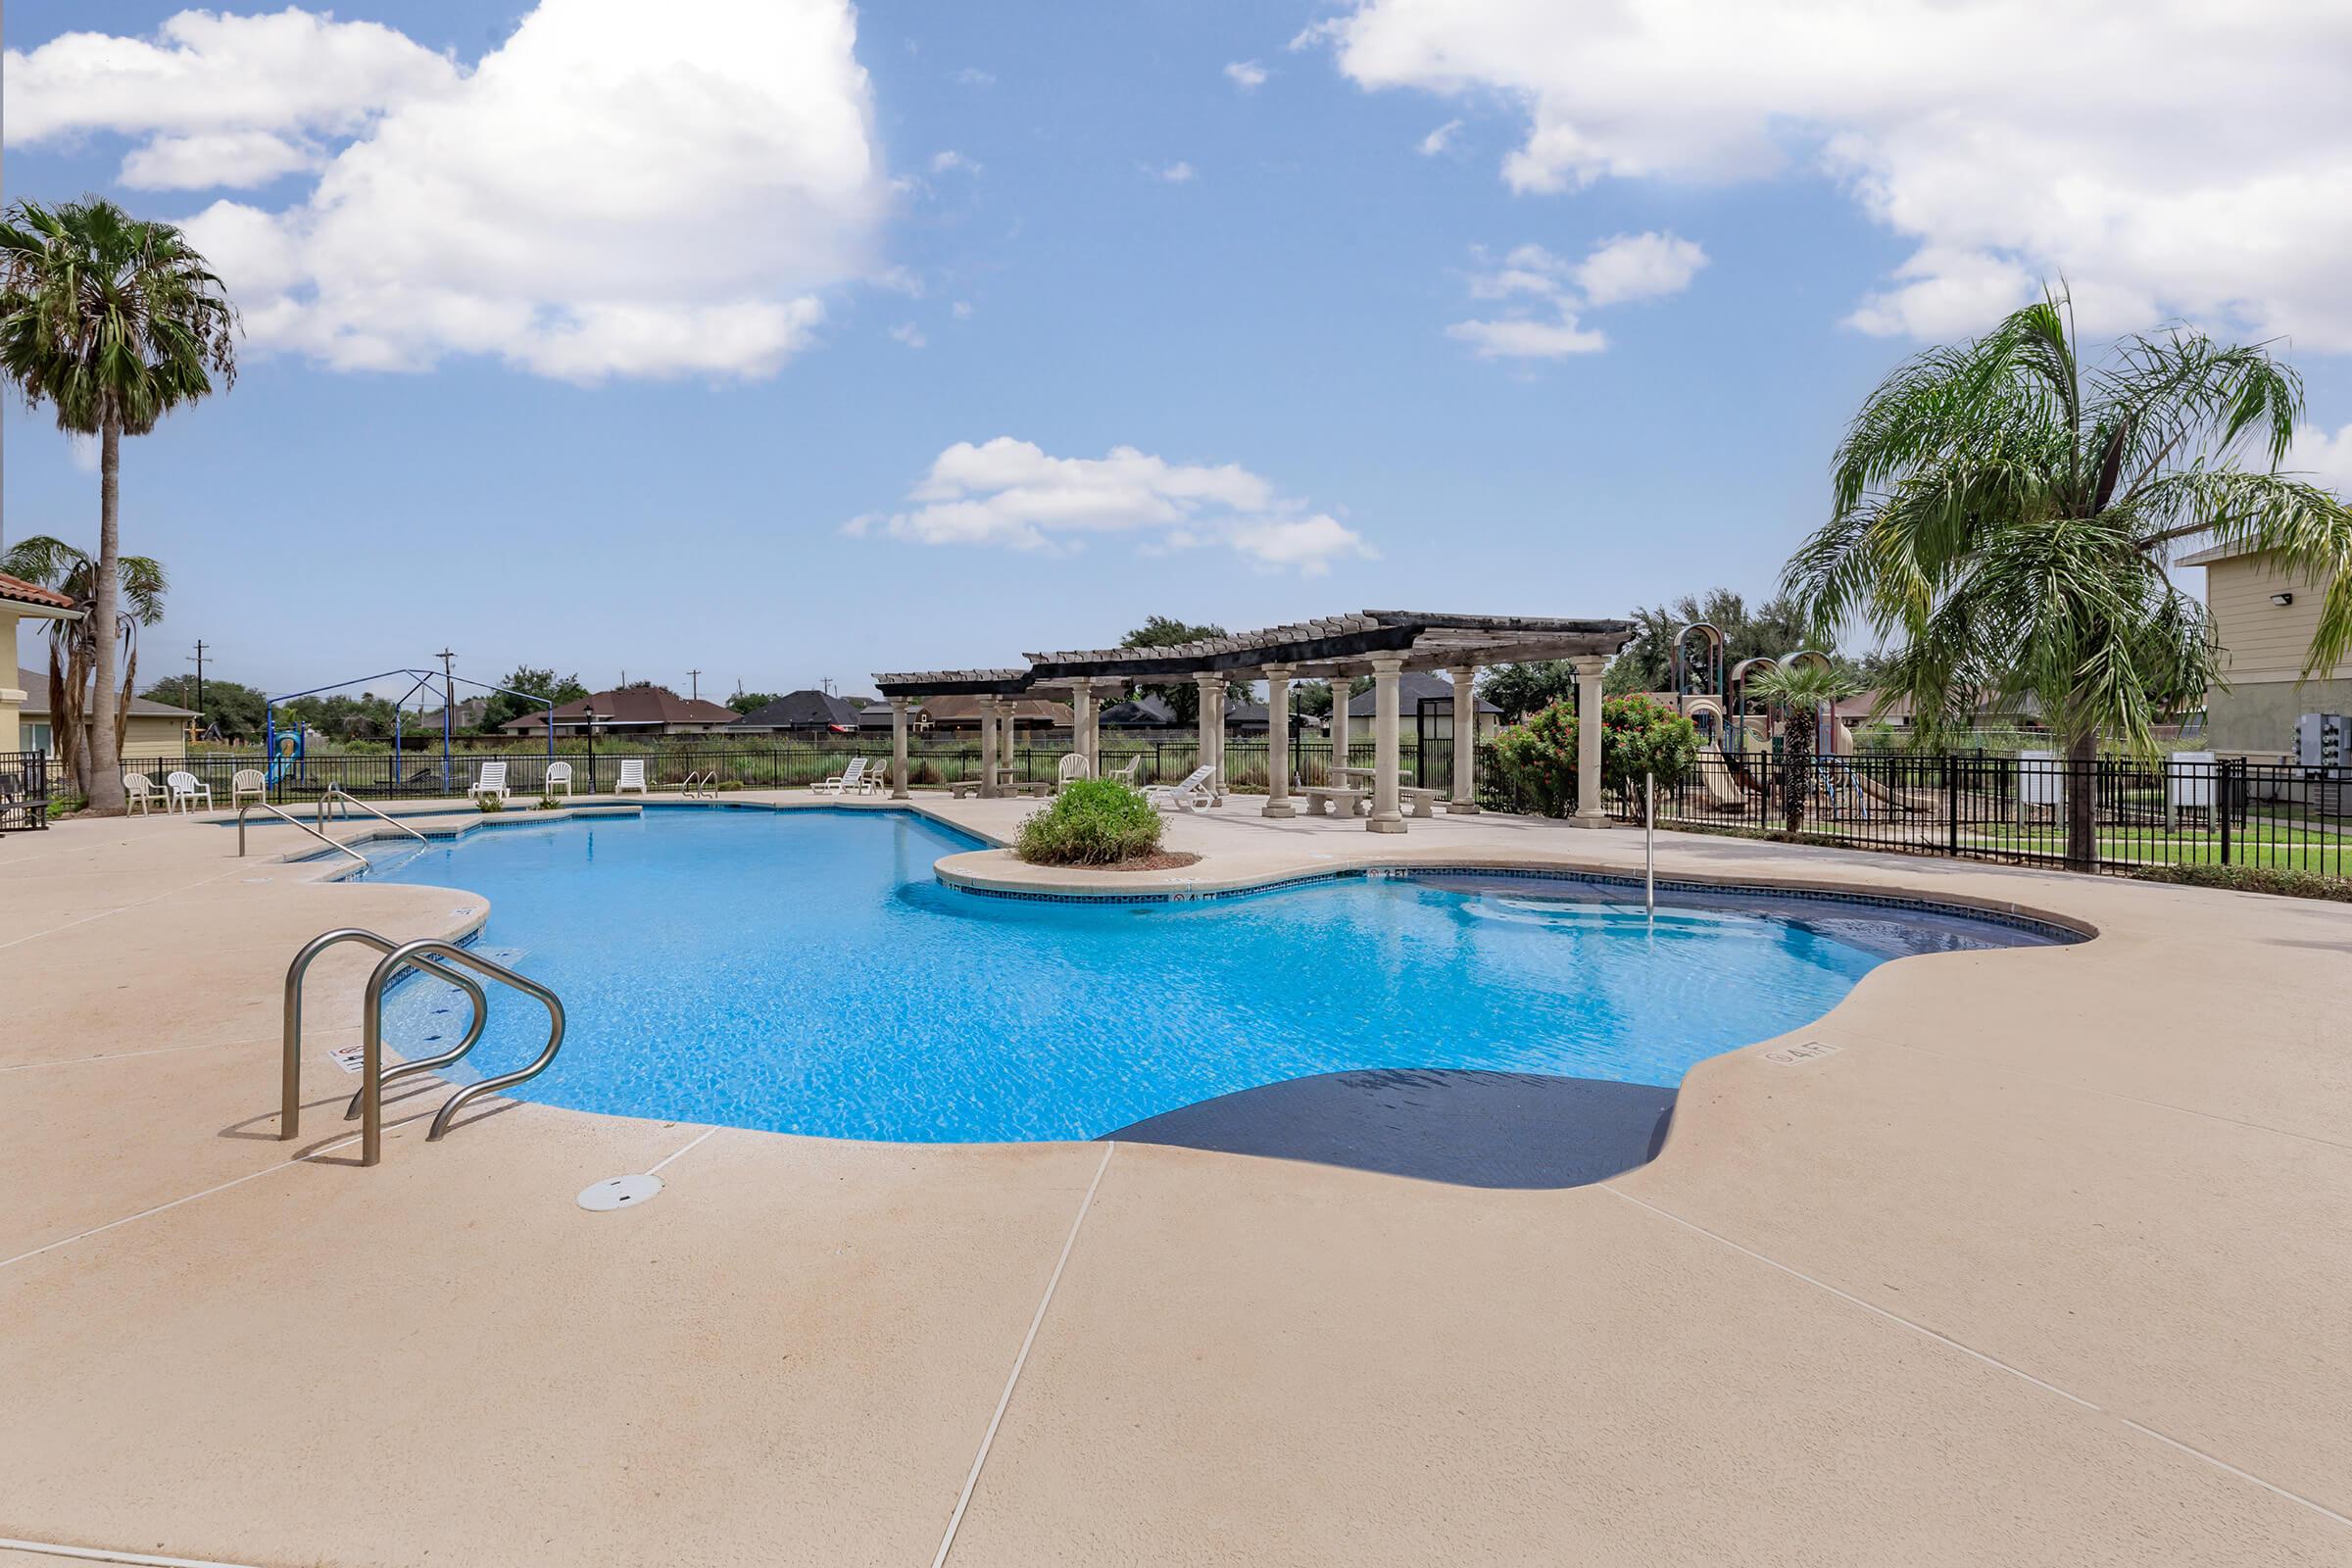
(1383, 644)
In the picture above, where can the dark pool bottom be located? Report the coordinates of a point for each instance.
(1472, 1128)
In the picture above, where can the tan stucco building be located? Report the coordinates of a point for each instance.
(2264, 617)
(21, 602)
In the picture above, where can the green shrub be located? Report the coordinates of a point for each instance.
(2286, 881)
(1536, 760)
(489, 804)
(1093, 821)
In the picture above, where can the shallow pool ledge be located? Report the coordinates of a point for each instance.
(1000, 873)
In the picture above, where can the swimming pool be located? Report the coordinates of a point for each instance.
(803, 971)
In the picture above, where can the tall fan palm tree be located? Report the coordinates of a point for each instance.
(1799, 692)
(2010, 513)
(113, 321)
(74, 644)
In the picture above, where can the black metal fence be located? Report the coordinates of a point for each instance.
(23, 791)
(386, 775)
(2017, 809)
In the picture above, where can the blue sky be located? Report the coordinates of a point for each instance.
(1278, 337)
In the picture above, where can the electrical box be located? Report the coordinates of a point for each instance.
(2324, 743)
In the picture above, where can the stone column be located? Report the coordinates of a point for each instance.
(897, 748)
(1278, 742)
(988, 748)
(1385, 818)
(1012, 743)
(1339, 727)
(1210, 728)
(1465, 742)
(1590, 812)
(1082, 723)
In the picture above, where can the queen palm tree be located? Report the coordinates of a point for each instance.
(2009, 515)
(1800, 691)
(74, 644)
(113, 321)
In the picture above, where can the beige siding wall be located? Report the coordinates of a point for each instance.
(152, 735)
(10, 696)
(2263, 641)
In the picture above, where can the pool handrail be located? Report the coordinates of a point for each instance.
(339, 797)
(289, 1114)
(251, 806)
(373, 1039)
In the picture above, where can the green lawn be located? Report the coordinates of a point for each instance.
(2295, 849)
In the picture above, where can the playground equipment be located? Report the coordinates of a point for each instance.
(287, 749)
(1699, 678)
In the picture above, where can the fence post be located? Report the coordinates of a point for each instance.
(2223, 805)
(1951, 803)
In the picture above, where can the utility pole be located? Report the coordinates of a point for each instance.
(199, 657)
(449, 712)
(696, 676)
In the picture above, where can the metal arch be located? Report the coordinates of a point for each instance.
(1683, 674)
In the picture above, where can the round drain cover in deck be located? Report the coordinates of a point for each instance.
(619, 1192)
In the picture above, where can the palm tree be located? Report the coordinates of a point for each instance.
(2010, 515)
(1800, 690)
(74, 644)
(113, 321)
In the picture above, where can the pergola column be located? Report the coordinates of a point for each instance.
(988, 748)
(1210, 728)
(1591, 810)
(1385, 818)
(897, 748)
(1012, 744)
(1278, 742)
(1339, 726)
(1465, 742)
(1082, 723)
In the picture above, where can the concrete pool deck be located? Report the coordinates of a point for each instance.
(2043, 1262)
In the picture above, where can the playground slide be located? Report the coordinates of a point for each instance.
(1842, 741)
(1720, 790)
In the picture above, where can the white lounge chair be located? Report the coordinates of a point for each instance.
(138, 794)
(185, 787)
(1187, 797)
(490, 784)
(1073, 766)
(247, 781)
(850, 778)
(632, 776)
(559, 776)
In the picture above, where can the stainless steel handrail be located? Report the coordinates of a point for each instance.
(372, 1041)
(289, 1114)
(251, 806)
(345, 799)
(701, 785)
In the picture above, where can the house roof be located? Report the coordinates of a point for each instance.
(801, 709)
(1413, 687)
(16, 590)
(1138, 713)
(631, 706)
(35, 685)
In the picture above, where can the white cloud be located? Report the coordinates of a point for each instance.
(950, 159)
(961, 310)
(1527, 337)
(1010, 493)
(1246, 74)
(2203, 167)
(1439, 139)
(221, 100)
(2325, 459)
(909, 333)
(974, 76)
(83, 452)
(1178, 172)
(1639, 266)
(1545, 292)
(614, 190)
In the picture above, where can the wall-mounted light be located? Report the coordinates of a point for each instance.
(2283, 599)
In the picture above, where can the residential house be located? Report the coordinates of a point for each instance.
(2264, 617)
(803, 711)
(1138, 713)
(154, 732)
(645, 712)
(1413, 689)
(956, 713)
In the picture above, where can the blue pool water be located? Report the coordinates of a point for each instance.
(804, 972)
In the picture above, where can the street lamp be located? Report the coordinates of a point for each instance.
(593, 719)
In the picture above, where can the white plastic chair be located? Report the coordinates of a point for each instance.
(1187, 797)
(490, 784)
(558, 775)
(138, 794)
(185, 787)
(247, 781)
(1073, 766)
(632, 776)
(852, 777)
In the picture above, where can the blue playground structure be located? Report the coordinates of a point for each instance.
(287, 749)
